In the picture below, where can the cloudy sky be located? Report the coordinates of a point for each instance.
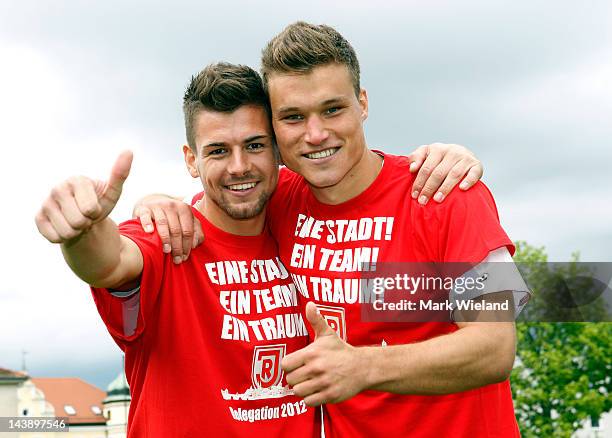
(526, 85)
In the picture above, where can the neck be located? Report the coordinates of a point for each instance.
(240, 227)
(355, 182)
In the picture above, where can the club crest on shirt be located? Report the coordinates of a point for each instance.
(266, 375)
(334, 316)
(267, 371)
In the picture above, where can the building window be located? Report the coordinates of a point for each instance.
(24, 413)
(70, 409)
(96, 410)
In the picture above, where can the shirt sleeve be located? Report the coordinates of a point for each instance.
(496, 273)
(126, 317)
(467, 227)
(466, 240)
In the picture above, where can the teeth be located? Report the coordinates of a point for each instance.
(322, 154)
(245, 186)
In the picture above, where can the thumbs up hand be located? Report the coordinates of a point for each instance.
(79, 202)
(328, 370)
(317, 322)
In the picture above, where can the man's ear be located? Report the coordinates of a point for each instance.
(190, 161)
(363, 103)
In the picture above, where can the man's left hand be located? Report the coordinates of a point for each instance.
(440, 167)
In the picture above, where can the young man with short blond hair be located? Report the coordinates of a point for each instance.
(418, 379)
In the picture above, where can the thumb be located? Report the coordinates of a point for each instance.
(317, 322)
(114, 185)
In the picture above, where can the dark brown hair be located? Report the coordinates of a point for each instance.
(301, 46)
(221, 87)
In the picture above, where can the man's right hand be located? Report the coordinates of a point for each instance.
(79, 202)
(176, 225)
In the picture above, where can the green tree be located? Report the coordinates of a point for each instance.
(563, 373)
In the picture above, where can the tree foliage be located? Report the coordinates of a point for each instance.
(562, 375)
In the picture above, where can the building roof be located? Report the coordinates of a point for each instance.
(118, 390)
(73, 392)
(9, 376)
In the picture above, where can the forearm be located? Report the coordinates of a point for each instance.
(102, 257)
(476, 355)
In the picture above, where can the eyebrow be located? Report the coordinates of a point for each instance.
(255, 137)
(289, 109)
(339, 99)
(217, 144)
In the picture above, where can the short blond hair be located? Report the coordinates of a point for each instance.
(301, 46)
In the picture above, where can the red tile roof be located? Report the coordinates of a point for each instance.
(62, 391)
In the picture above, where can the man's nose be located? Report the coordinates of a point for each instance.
(316, 133)
(239, 163)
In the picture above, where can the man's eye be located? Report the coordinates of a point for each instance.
(217, 151)
(255, 146)
(332, 110)
(293, 117)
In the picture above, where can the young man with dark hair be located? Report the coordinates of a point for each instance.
(203, 340)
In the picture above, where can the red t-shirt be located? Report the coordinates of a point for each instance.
(202, 355)
(321, 246)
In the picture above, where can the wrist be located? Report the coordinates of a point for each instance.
(388, 366)
(369, 363)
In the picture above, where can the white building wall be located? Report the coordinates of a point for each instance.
(603, 431)
(9, 404)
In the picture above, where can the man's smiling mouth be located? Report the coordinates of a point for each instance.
(321, 154)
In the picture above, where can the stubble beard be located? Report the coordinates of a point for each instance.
(241, 212)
